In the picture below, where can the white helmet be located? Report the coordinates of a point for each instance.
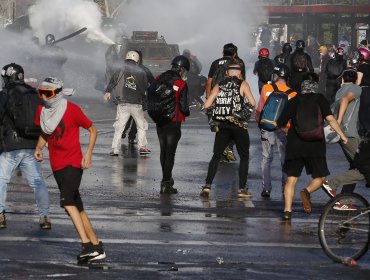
(133, 56)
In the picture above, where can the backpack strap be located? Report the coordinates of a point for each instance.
(274, 86)
(289, 91)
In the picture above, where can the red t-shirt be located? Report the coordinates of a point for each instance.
(64, 143)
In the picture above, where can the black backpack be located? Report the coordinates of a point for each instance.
(334, 68)
(161, 100)
(299, 62)
(21, 108)
(264, 69)
(309, 123)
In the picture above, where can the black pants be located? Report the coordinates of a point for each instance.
(331, 89)
(295, 80)
(168, 136)
(240, 136)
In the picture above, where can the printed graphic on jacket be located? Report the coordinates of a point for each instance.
(130, 82)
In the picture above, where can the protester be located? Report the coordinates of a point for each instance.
(324, 59)
(131, 125)
(284, 56)
(16, 145)
(301, 150)
(363, 69)
(60, 121)
(346, 106)
(280, 76)
(300, 63)
(334, 69)
(215, 75)
(169, 130)
(228, 96)
(130, 84)
(263, 68)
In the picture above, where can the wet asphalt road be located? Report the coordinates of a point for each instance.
(148, 236)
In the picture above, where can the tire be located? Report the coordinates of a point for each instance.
(345, 233)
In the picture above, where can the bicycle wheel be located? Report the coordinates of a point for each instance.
(345, 233)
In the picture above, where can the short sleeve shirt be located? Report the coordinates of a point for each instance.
(365, 70)
(351, 114)
(218, 62)
(64, 143)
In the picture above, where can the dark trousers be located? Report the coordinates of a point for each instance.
(168, 136)
(331, 89)
(227, 133)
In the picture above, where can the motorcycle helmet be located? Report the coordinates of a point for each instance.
(281, 70)
(49, 39)
(287, 48)
(263, 53)
(132, 55)
(364, 54)
(181, 61)
(11, 73)
(300, 44)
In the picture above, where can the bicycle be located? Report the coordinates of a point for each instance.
(345, 234)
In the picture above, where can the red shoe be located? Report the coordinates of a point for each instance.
(329, 191)
(144, 151)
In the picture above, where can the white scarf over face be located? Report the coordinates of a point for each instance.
(52, 113)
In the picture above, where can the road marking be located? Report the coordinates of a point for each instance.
(161, 242)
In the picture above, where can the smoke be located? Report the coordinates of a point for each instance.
(62, 17)
(201, 26)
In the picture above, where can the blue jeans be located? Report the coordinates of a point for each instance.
(31, 169)
(269, 139)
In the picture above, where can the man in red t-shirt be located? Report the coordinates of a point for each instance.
(60, 121)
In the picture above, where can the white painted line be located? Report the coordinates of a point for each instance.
(161, 242)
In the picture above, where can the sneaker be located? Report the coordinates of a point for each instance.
(224, 159)
(168, 190)
(265, 193)
(2, 220)
(88, 252)
(243, 193)
(113, 154)
(229, 154)
(205, 191)
(329, 191)
(45, 222)
(287, 216)
(344, 207)
(144, 151)
(99, 248)
(132, 141)
(306, 200)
